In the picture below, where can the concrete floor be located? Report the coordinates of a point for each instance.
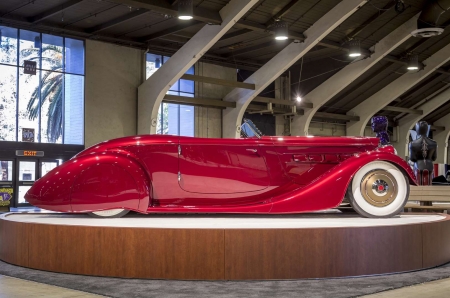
(17, 288)
(434, 289)
(11, 287)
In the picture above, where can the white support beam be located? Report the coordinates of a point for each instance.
(152, 92)
(441, 137)
(232, 118)
(407, 123)
(327, 90)
(394, 90)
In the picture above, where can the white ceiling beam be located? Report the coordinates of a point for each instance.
(152, 91)
(331, 87)
(394, 90)
(232, 118)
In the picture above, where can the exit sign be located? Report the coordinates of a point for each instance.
(29, 153)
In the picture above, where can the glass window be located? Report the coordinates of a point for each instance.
(154, 62)
(8, 100)
(22, 191)
(52, 52)
(27, 171)
(30, 45)
(187, 118)
(74, 110)
(29, 103)
(47, 166)
(74, 56)
(8, 45)
(52, 98)
(50, 102)
(174, 119)
(6, 171)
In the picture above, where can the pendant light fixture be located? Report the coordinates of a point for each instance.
(37, 42)
(281, 30)
(185, 9)
(413, 62)
(354, 47)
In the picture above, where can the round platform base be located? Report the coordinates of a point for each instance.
(225, 247)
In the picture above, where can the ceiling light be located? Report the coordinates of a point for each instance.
(299, 98)
(37, 42)
(280, 28)
(354, 48)
(185, 10)
(413, 62)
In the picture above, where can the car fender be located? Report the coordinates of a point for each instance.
(109, 180)
(328, 190)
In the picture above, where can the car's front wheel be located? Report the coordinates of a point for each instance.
(113, 213)
(378, 189)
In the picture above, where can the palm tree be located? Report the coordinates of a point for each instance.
(51, 87)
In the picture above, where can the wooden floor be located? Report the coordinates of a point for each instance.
(225, 254)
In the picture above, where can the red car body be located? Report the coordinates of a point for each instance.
(158, 173)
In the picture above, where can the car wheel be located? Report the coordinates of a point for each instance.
(113, 213)
(378, 189)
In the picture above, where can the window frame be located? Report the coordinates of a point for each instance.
(40, 71)
(172, 91)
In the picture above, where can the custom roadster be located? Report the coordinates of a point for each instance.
(255, 174)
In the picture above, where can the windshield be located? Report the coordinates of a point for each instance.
(249, 130)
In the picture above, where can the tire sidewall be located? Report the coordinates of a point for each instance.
(367, 210)
(118, 215)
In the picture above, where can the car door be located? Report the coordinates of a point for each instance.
(222, 166)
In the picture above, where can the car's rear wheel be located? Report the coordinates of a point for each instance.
(113, 213)
(378, 189)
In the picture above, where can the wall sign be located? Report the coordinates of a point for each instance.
(29, 153)
(6, 195)
(28, 135)
(29, 67)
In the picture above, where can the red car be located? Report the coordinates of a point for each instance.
(259, 175)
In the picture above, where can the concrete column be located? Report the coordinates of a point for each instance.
(326, 91)
(114, 74)
(385, 96)
(151, 92)
(408, 122)
(441, 137)
(232, 117)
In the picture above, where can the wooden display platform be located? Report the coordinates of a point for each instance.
(223, 253)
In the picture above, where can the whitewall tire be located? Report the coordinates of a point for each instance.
(378, 189)
(113, 213)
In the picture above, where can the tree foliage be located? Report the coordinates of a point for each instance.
(50, 89)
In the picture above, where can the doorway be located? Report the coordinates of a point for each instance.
(18, 176)
(27, 172)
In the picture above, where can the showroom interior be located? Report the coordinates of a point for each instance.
(224, 148)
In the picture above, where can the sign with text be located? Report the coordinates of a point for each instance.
(29, 67)
(6, 195)
(29, 153)
(28, 135)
